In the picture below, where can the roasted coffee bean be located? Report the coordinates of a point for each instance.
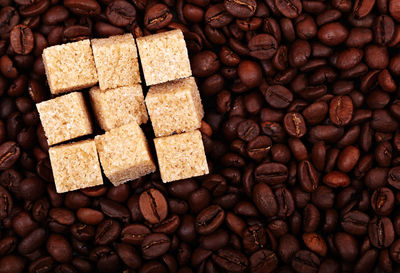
(156, 17)
(355, 222)
(153, 206)
(85, 8)
(305, 261)
(295, 125)
(121, 13)
(155, 245)
(209, 219)
(381, 232)
(341, 110)
(308, 176)
(6, 203)
(217, 16)
(278, 96)
(59, 248)
(382, 201)
(263, 261)
(241, 9)
(262, 46)
(107, 232)
(289, 8)
(231, 260)
(9, 154)
(22, 39)
(271, 173)
(264, 200)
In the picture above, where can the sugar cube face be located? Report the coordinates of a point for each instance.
(75, 166)
(118, 106)
(64, 118)
(124, 154)
(174, 107)
(116, 61)
(164, 57)
(181, 156)
(69, 67)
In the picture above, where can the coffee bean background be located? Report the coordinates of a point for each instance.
(301, 133)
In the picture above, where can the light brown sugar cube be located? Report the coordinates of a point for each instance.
(116, 61)
(124, 154)
(69, 67)
(75, 166)
(174, 107)
(181, 156)
(64, 118)
(164, 57)
(119, 106)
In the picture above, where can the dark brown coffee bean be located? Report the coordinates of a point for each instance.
(250, 73)
(263, 261)
(134, 234)
(9, 154)
(205, 63)
(155, 245)
(381, 232)
(346, 246)
(333, 34)
(120, 13)
(305, 261)
(153, 206)
(394, 177)
(289, 8)
(247, 130)
(9, 18)
(362, 8)
(6, 203)
(59, 248)
(308, 176)
(12, 263)
(33, 241)
(85, 8)
(231, 260)
(264, 199)
(241, 9)
(209, 219)
(355, 222)
(107, 232)
(295, 125)
(278, 96)
(89, 216)
(341, 110)
(22, 39)
(217, 16)
(382, 201)
(262, 46)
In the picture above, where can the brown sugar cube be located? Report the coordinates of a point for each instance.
(116, 61)
(119, 106)
(69, 67)
(75, 166)
(174, 107)
(64, 118)
(181, 156)
(124, 154)
(164, 57)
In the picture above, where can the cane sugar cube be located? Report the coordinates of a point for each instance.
(164, 57)
(75, 166)
(118, 106)
(181, 156)
(116, 61)
(64, 118)
(69, 67)
(124, 154)
(174, 107)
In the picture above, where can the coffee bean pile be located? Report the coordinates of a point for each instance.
(301, 132)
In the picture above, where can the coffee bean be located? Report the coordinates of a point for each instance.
(278, 96)
(153, 206)
(308, 176)
(209, 219)
(263, 261)
(230, 260)
(262, 46)
(85, 8)
(341, 110)
(59, 248)
(241, 9)
(9, 154)
(217, 16)
(295, 125)
(22, 39)
(107, 232)
(155, 245)
(289, 8)
(121, 13)
(305, 261)
(382, 201)
(381, 232)
(355, 222)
